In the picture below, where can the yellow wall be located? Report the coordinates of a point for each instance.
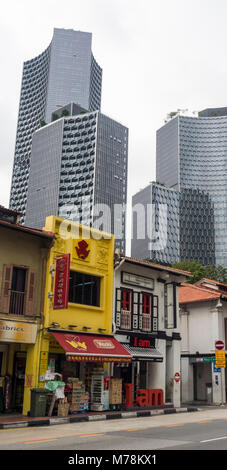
(98, 263)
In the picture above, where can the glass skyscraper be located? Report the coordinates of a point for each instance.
(65, 72)
(191, 179)
(78, 162)
(192, 155)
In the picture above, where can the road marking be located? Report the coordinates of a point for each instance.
(134, 429)
(35, 441)
(172, 425)
(216, 439)
(88, 435)
(204, 421)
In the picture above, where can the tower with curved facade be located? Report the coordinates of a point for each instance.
(192, 156)
(79, 172)
(65, 72)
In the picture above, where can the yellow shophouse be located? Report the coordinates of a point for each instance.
(77, 340)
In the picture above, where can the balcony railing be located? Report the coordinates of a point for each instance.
(143, 323)
(16, 305)
(125, 319)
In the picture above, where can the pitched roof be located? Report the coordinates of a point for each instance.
(212, 285)
(30, 230)
(155, 266)
(191, 293)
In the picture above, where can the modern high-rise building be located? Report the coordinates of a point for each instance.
(181, 225)
(78, 165)
(155, 224)
(192, 155)
(65, 72)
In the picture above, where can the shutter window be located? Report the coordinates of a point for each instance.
(6, 288)
(118, 308)
(30, 292)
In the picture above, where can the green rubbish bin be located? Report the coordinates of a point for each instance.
(38, 402)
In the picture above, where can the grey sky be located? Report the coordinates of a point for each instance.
(156, 55)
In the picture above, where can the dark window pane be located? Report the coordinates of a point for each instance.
(84, 289)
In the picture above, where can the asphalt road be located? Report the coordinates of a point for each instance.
(205, 430)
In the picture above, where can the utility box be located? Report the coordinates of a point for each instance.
(209, 393)
(38, 402)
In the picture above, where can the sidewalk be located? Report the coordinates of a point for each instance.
(20, 421)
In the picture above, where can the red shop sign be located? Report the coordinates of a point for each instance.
(61, 289)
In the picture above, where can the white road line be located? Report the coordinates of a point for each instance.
(216, 439)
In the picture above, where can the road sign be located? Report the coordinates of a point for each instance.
(215, 368)
(208, 359)
(177, 377)
(219, 345)
(219, 359)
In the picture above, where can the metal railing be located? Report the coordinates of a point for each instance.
(16, 305)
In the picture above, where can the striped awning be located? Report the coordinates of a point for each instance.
(144, 354)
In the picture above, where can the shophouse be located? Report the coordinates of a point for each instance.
(203, 321)
(77, 339)
(23, 255)
(146, 322)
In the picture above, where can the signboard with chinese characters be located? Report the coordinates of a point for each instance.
(61, 290)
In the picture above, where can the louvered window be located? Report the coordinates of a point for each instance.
(18, 290)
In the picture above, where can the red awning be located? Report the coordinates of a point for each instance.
(91, 348)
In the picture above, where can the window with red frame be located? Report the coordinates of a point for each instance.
(146, 312)
(126, 303)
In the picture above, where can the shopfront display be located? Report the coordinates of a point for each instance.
(136, 376)
(85, 363)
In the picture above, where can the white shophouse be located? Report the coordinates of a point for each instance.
(203, 321)
(146, 321)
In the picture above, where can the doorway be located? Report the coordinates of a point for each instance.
(18, 380)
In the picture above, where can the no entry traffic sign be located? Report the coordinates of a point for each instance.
(219, 345)
(177, 377)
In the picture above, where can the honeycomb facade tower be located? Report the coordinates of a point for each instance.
(79, 168)
(65, 72)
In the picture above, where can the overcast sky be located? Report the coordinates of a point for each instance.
(156, 55)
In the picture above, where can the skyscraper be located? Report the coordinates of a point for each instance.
(77, 162)
(155, 232)
(191, 175)
(65, 72)
(192, 155)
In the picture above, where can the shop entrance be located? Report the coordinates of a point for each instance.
(18, 380)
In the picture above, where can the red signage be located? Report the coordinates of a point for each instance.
(219, 345)
(92, 348)
(61, 290)
(177, 377)
(141, 343)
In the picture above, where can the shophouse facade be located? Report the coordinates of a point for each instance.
(23, 256)
(203, 321)
(146, 322)
(77, 340)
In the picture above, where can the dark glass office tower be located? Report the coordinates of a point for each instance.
(182, 225)
(65, 72)
(192, 155)
(78, 162)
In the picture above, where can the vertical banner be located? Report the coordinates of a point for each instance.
(61, 289)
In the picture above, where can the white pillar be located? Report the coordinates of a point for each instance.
(176, 368)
